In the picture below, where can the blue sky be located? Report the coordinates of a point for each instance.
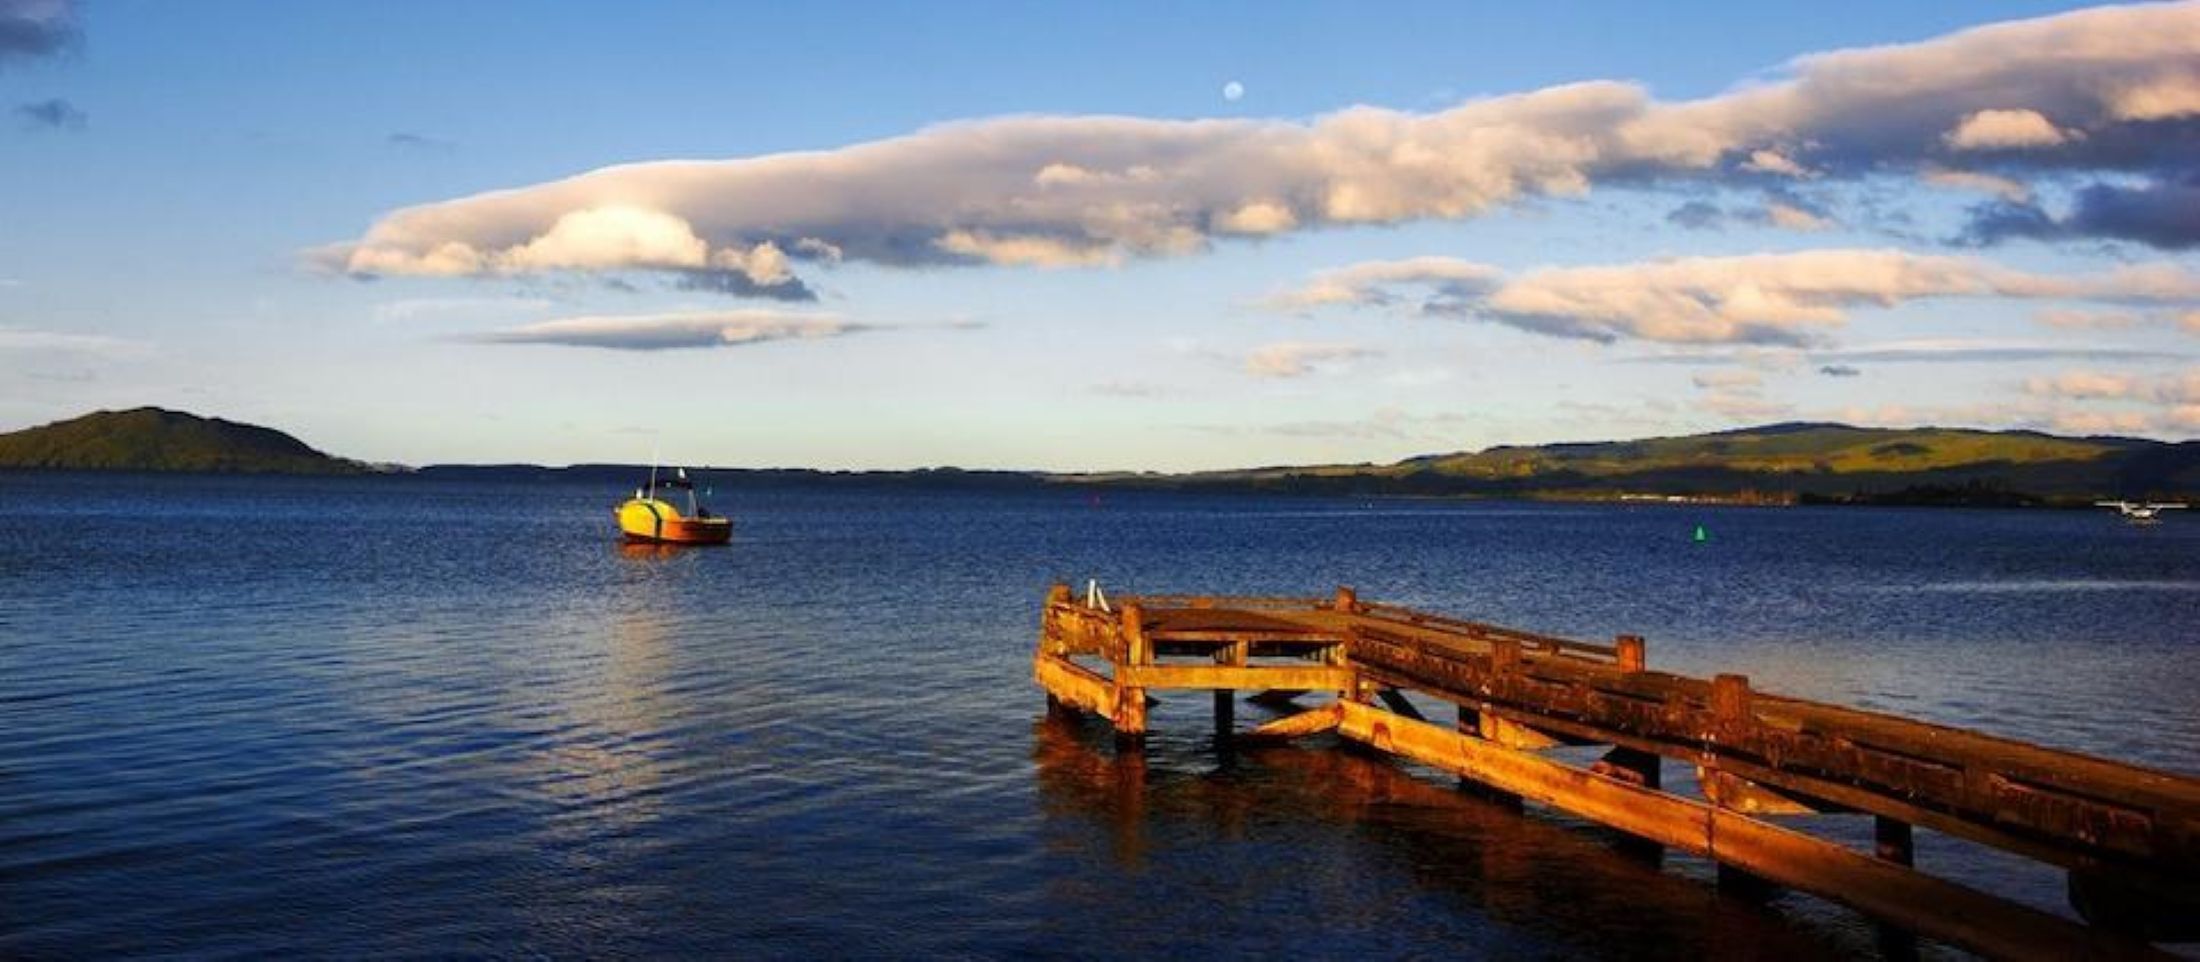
(1017, 235)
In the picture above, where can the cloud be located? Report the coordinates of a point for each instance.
(1793, 217)
(1774, 162)
(1839, 370)
(2164, 214)
(1785, 299)
(412, 141)
(2084, 385)
(2002, 187)
(1697, 215)
(1094, 190)
(740, 284)
(2027, 414)
(1979, 350)
(55, 114)
(2174, 389)
(2087, 320)
(1728, 380)
(37, 28)
(2102, 422)
(1371, 283)
(428, 308)
(1382, 424)
(27, 340)
(2004, 130)
(657, 332)
(1299, 358)
(1744, 406)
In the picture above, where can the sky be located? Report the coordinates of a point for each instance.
(1094, 237)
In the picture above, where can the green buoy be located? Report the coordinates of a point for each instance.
(1701, 535)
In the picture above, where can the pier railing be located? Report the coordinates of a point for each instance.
(2128, 836)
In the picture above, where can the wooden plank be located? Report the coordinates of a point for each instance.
(2087, 809)
(1633, 810)
(1932, 907)
(1305, 677)
(1313, 721)
(1074, 686)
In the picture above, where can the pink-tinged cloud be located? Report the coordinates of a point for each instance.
(658, 332)
(1787, 299)
(1300, 358)
(2117, 83)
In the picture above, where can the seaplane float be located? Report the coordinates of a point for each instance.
(2140, 512)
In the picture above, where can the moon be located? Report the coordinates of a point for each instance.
(1233, 91)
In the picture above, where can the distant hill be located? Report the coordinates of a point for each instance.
(154, 439)
(1779, 463)
(1776, 462)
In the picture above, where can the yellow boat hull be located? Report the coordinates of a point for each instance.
(655, 521)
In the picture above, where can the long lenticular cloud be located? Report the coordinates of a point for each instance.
(1787, 299)
(660, 332)
(2112, 90)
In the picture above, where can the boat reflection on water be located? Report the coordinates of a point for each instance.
(648, 550)
(1363, 843)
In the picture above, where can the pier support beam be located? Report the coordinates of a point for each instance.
(1130, 700)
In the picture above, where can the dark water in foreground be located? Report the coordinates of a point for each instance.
(255, 718)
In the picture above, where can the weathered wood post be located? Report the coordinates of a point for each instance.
(1051, 641)
(1730, 702)
(1892, 841)
(1237, 654)
(1130, 700)
(1731, 714)
(1348, 601)
(1628, 764)
(1632, 658)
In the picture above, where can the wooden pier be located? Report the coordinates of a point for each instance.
(2128, 837)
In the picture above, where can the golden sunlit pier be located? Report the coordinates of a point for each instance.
(2128, 837)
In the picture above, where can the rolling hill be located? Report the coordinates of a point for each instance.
(1781, 463)
(154, 439)
(1777, 462)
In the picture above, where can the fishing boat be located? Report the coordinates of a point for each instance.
(649, 518)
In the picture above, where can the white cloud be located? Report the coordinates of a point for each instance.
(1774, 162)
(1370, 283)
(2086, 385)
(2165, 97)
(1790, 217)
(2087, 320)
(1737, 380)
(2004, 130)
(1791, 299)
(1744, 406)
(2101, 422)
(1082, 190)
(422, 308)
(2002, 187)
(651, 332)
(27, 340)
(1299, 358)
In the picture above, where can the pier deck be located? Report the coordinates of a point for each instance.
(2129, 837)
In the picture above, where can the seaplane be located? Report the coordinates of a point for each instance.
(2139, 512)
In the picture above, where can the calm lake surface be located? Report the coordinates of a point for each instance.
(372, 717)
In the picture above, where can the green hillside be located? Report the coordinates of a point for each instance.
(153, 439)
(1774, 462)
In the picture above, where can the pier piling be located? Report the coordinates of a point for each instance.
(2128, 836)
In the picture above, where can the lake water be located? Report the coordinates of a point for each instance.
(370, 717)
